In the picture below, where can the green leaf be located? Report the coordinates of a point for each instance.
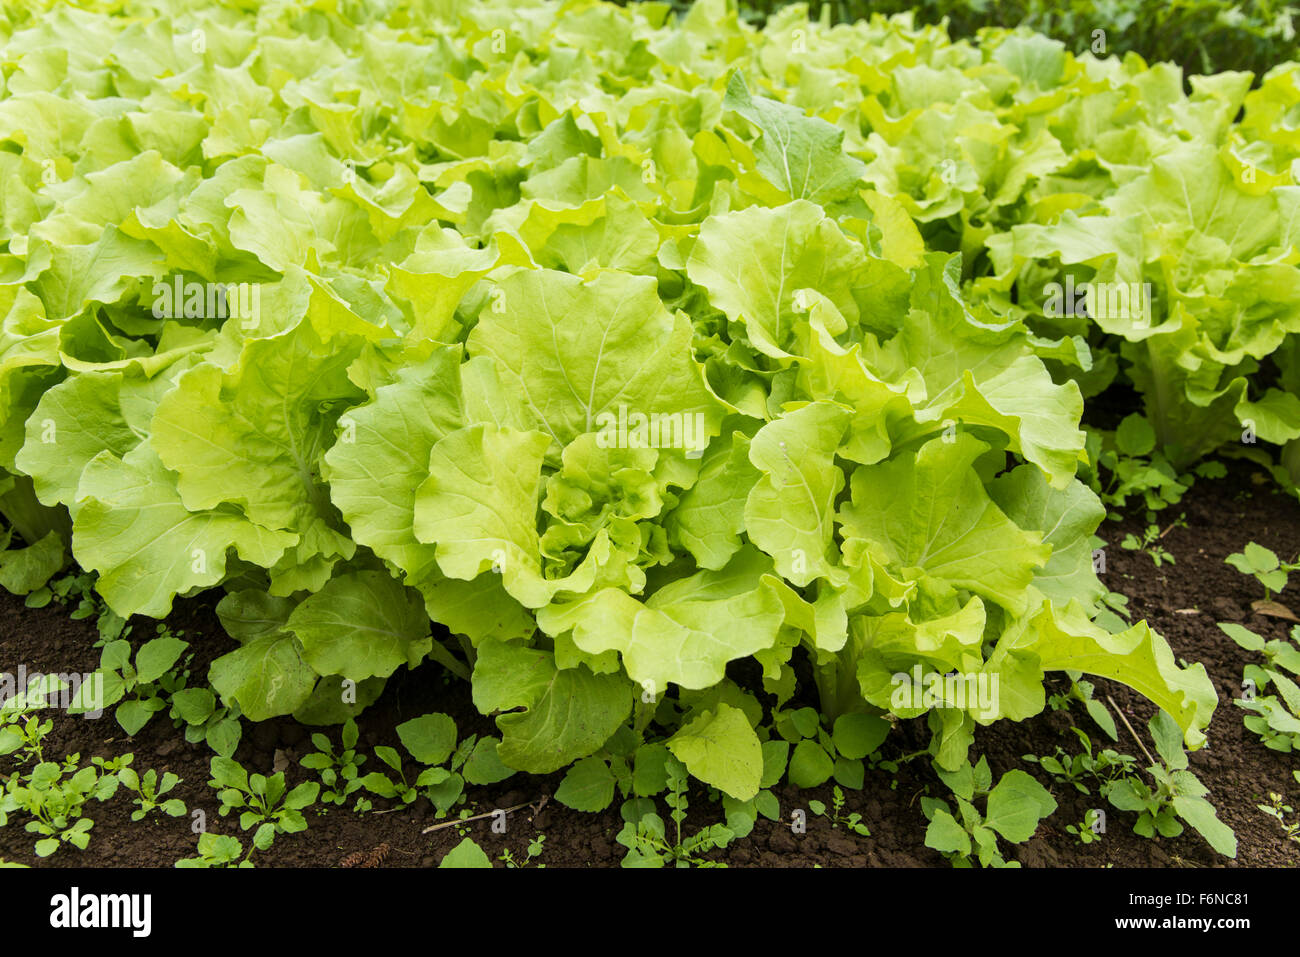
(931, 512)
(588, 786)
(754, 261)
(1242, 635)
(252, 436)
(227, 773)
(224, 736)
(1067, 518)
(430, 738)
(251, 613)
(810, 765)
(1067, 640)
(650, 770)
(193, 705)
(1260, 558)
(775, 757)
(581, 354)
(133, 716)
(100, 271)
(156, 657)
(264, 836)
(382, 457)
(568, 714)
(432, 776)
(1168, 740)
(687, 631)
(479, 504)
(484, 764)
(710, 517)
(23, 570)
(721, 749)
(1200, 814)
(789, 511)
(390, 757)
(945, 835)
(466, 854)
(1016, 804)
(445, 794)
(147, 546)
(360, 625)
(267, 676)
(1102, 716)
(851, 774)
(858, 735)
(1135, 436)
(801, 155)
(302, 796)
(380, 784)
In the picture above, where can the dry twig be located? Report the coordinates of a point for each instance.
(476, 817)
(1130, 730)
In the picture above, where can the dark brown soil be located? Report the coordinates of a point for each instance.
(1182, 601)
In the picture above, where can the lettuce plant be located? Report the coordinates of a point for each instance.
(585, 355)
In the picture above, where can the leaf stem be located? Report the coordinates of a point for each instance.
(440, 654)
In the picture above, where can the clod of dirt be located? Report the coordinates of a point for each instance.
(1227, 609)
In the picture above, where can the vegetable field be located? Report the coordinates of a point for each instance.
(525, 434)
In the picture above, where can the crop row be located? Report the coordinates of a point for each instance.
(680, 371)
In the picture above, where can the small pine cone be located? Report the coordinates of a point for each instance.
(358, 859)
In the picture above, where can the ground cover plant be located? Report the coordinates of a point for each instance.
(709, 399)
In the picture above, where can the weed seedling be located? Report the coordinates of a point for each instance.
(217, 850)
(21, 731)
(535, 848)
(1150, 543)
(54, 796)
(1103, 768)
(206, 719)
(645, 834)
(1012, 809)
(1279, 809)
(1178, 795)
(137, 683)
(1082, 691)
(338, 770)
(1135, 467)
(851, 822)
(1274, 717)
(1263, 564)
(377, 782)
(1087, 831)
(149, 791)
(261, 800)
